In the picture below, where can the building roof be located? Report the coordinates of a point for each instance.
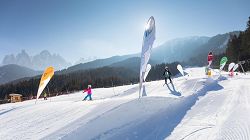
(13, 94)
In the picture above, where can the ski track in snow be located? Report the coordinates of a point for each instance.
(163, 132)
(224, 113)
(196, 107)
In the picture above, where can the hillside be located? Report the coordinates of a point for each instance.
(70, 82)
(196, 108)
(180, 49)
(13, 72)
(96, 63)
(132, 63)
(217, 44)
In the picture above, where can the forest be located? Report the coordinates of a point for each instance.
(79, 80)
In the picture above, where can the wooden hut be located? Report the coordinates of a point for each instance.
(15, 98)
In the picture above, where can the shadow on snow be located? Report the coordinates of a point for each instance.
(161, 124)
(158, 125)
(173, 90)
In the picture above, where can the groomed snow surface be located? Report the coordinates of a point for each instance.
(197, 107)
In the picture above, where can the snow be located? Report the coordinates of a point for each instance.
(196, 107)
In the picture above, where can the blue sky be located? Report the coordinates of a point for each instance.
(103, 28)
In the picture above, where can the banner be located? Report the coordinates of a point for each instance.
(47, 75)
(179, 67)
(147, 71)
(148, 40)
(230, 66)
(223, 62)
(235, 67)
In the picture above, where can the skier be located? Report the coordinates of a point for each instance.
(209, 62)
(209, 58)
(89, 93)
(167, 75)
(45, 96)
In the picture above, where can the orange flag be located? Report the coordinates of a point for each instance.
(47, 75)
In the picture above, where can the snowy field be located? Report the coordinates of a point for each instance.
(196, 107)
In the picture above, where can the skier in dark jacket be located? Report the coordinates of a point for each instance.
(167, 75)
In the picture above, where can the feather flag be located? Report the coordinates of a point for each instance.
(223, 62)
(230, 66)
(148, 40)
(147, 71)
(179, 67)
(47, 75)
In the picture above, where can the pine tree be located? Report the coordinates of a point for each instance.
(248, 25)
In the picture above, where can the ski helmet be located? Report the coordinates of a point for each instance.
(89, 86)
(166, 67)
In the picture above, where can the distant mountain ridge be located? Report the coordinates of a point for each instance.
(132, 63)
(191, 51)
(96, 63)
(184, 49)
(37, 62)
(217, 44)
(178, 49)
(12, 72)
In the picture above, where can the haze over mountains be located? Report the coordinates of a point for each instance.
(181, 50)
(36, 62)
(12, 72)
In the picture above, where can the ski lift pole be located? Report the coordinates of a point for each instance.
(240, 63)
(141, 84)
(49, 93)
(113, 86)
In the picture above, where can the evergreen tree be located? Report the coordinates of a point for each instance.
(248, 25)
(79, 80)
(239, 47)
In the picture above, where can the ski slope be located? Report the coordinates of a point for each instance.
(197, 107)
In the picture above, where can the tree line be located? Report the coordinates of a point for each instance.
(239, 48)
(79, 80)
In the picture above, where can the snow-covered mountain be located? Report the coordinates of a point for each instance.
(196, 107)
(37, 62)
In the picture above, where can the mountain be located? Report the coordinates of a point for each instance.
(178, 49)
(217, 44)
(22, 59)
(45, 59)
(13, 72)
(85, 60)
(96, 63)
(181, 50)
(191, 50)
(132, 63)
(165, 52)
(37, 62)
